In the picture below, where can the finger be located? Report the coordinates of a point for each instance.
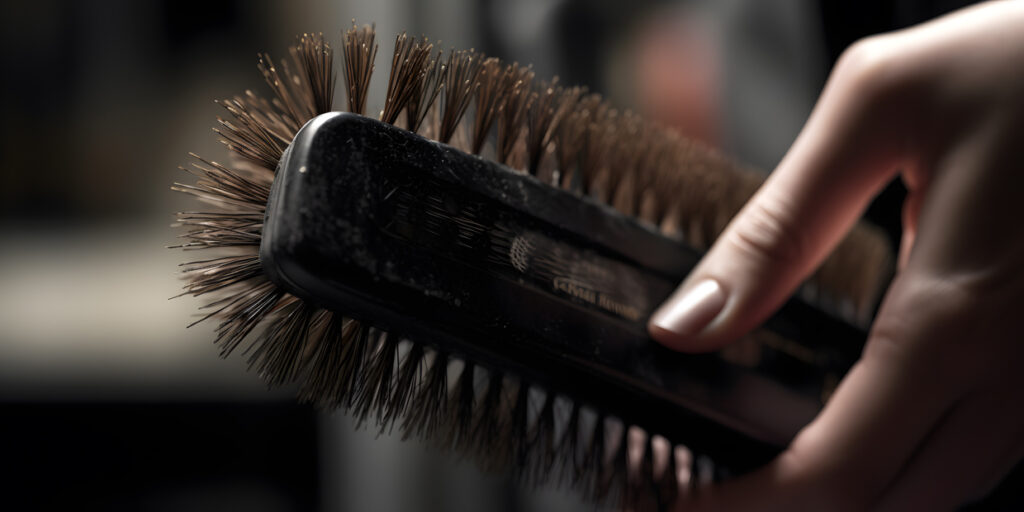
(842, 157)
(847, 455)
(881, 412)
(971, 449)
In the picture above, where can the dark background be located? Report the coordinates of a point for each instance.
(107, 402)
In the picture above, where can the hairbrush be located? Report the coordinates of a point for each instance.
(476, 266)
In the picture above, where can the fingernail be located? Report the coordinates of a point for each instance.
(689, 314)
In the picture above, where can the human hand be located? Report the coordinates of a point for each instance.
(931, 415)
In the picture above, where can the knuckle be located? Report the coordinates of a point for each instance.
(871, 66)
(889, 341)
(930, 323)
(825, 483)
(867, 56)
(770, 233)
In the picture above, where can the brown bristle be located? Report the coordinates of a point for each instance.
(426, 90)
(248, 137)
(218, 273)
(626, 162)
(491, 92)
(487, 421)
(258, 134)
(227, 188)
(404, 388)
(520, 431)
(547, 106)
(512, 113)
(460, 85)
(543, 435)
(292, 95)
(360, 52)
(317, 59)
(569, 140)
(278, 354)
(320, 386)
(433, 389)
(242, 310)
(659, 167)
(271, 118)
(597, 142)
(262, 129)
(408, 65)
(379, 375)
(355, 340)
(459, 409)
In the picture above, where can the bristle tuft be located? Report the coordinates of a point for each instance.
(360, 52)
(492, 90)
(317, 59)
(460, 85)
(427, 88)
(546, 108)
(512, 113)
(408, 66)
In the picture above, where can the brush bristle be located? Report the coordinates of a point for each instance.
(565, 136)
(360, 52)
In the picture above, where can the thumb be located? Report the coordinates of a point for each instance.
(848, 149)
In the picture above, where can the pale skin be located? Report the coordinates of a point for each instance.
(932, 415)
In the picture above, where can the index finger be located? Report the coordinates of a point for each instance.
(849, 148)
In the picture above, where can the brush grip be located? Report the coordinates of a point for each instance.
(456, 251)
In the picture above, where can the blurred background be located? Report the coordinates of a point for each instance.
(108, 402)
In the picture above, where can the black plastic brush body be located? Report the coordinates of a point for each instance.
(477, 260)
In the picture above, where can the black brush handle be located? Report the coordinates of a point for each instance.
(453, 250)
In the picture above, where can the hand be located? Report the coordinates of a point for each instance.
(931, 416)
